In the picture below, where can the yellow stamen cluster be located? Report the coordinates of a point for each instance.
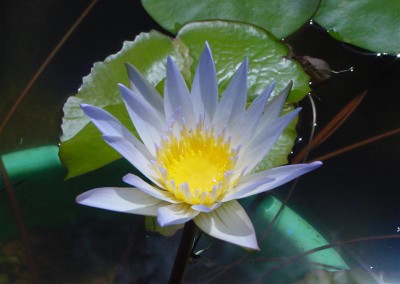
(196, 166)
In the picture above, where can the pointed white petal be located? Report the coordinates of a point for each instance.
(175, 214)
(147, 188)
(279, 176)
(206, 208)
(259, 146)
(147, 120)
(131, 153)
(245, 125)
(128, 200)
(248, 186)
(229, 223)
(205, 87)
(233, 101)
(274, 107)
(260, 101)
(176, 94)
(140, 85)
(110, 126)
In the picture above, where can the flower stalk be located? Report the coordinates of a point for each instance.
(183, 254)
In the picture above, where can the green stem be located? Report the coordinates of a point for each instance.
(183, 253)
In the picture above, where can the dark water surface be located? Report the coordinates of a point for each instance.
(354, 195)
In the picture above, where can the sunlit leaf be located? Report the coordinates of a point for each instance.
(281, 17)
(147, 53)
(370, 24)
(83, 150)
(231, 43)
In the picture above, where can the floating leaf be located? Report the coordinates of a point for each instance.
(294, 235)
(83, 150)
(147, 53)
(231, 43)
(281, 17)
(370, 24)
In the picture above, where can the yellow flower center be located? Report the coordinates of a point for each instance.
(197, 166)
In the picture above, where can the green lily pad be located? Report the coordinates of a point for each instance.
(278, 154)
(370, 24)
(281, 17)
(231, 43)
(147, 53)
(83, 150)
(87, 150)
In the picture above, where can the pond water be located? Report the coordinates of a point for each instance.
(354, 195)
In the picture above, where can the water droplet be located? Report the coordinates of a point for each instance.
(311, 22)
(398, 55)
(379, 54)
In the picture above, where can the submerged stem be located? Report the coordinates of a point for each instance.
(183, 253)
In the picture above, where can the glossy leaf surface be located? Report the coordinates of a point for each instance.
(83, 150)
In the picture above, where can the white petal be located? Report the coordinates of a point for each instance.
(131, 153)
(147, 120)
(176, 94)
(279, 176)
(110, 126)
(175, 214)
(259, 146)
(233, 101)
(206, 208)
(245, 125)
(260, 101)
(140, 85)
(243, 187)
(275, 106)
(229, 223)
(147, 188)
(128, 200)
(205, 88)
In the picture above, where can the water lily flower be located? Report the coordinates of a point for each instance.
(196, 150)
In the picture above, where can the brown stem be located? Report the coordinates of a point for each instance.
(183, 253)
(330, 128)
(358, 144)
